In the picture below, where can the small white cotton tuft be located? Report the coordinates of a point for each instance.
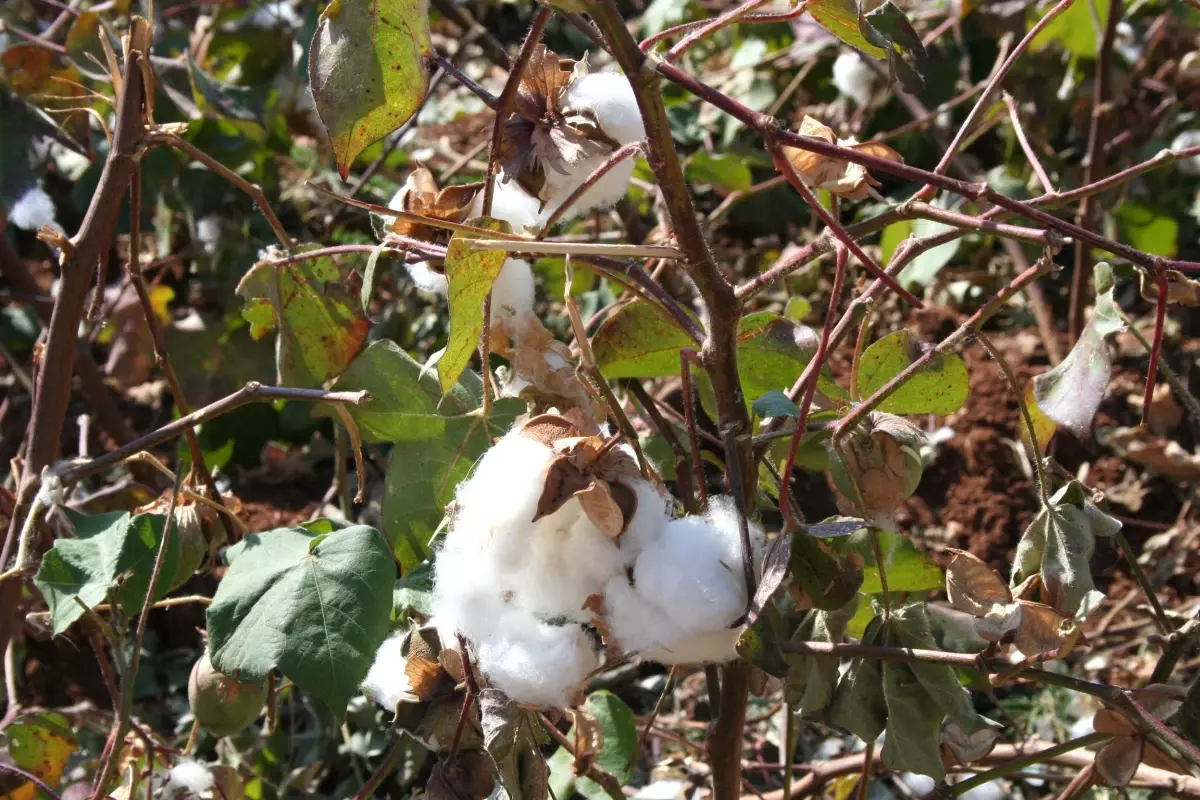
(208, 231)
(32, 210)
(610, 188)
(386, 682)
(512, 204)
(853, 78)
(1186, 141)
(512, 292)
(427, 278)
(190, 776)
(610, 98)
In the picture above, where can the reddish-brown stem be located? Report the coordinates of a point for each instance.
(711, 26)
(53, 387)
(1093, 165)
(984, 100)
(810, 388)
(385, 768)
(618, 155)
(508, 98)
(1160, 319)
(686, 357)
(683, 466)
(1030, 153)
(785, 166)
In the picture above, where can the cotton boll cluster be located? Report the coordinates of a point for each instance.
(387, 682)
(687, 589)
(853, 78)
(514, 580)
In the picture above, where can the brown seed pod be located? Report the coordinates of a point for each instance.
(883, 456)
(221, 704)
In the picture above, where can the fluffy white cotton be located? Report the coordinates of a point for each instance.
(512, 204)
(512, 292)
(427, 278)
(1186, 141)
(610, 98)
(190, 776)
(386, 682)
(687, 588)
(516, 589)
(853, 78)
(607, 98)
(208, 231)
(535, 662)
(32, 210)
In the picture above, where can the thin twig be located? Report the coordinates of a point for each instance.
(1034, 161)
(1035, 451)
(385, 768)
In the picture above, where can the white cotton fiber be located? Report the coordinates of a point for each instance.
(427, 278)
(188, 776)
(386, 682)
(32, 210)
(512, 292)
(1186, 141)
(610, 98)
(534, 662)
(602, 194)
(853, 78)
(512, 204)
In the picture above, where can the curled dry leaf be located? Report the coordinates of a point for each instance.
(543, 369)
(545, 133)
(588, 467)
(961, 746)
(1032, 628)
(1118, 760)
(421, 196)
(844, 179)
(1165, 456)
(423, 666)
(1181, 290)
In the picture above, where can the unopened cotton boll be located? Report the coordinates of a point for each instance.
(387, 683)
(188, 776)
(853, 78)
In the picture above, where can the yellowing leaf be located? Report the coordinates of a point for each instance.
(470, 273)
(39, 744)
(367, 70)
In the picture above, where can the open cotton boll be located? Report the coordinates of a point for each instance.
(512, 204)
(387, 683)
(611, 100)
(853, 78)
(641, 626)
(32, 210)
(603, 193)
(188, 776)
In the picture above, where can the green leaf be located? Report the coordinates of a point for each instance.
(940, 387)
(314, 606)
(1147, 229)
(840, 17)
(435, 439)
(797, 308)
(891, 238)
(858, 703)
(509, 739)
(414, 591)
(1070, 394)
(883, 33)
(725, 170)
(914, 724)
(1058, 545)
(921, 271)
(113, 550)
(776, 404)
(829, 579)
(908, 569)
(471, 274)
(316, 308)
(909, 627)
(39, 743)
(639, 342)
(614, 741)
(367, 70)
(812, 679)
(1074, 29)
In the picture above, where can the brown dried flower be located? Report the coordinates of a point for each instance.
(842, 178)
(422, 196)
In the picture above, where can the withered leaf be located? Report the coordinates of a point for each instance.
(840, 177)
(972, 586)
(1118, 760)
(1181, 290)
(422, 197)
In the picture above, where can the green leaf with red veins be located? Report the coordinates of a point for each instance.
(367, 70)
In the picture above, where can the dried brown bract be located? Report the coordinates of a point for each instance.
(545, 132)
(422, 196)
(589, 467)
(843, 178)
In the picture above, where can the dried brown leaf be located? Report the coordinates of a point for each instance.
(1181, 290)
(1118, 760)
(1041, 630)
(840, 177)
(972, 586)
